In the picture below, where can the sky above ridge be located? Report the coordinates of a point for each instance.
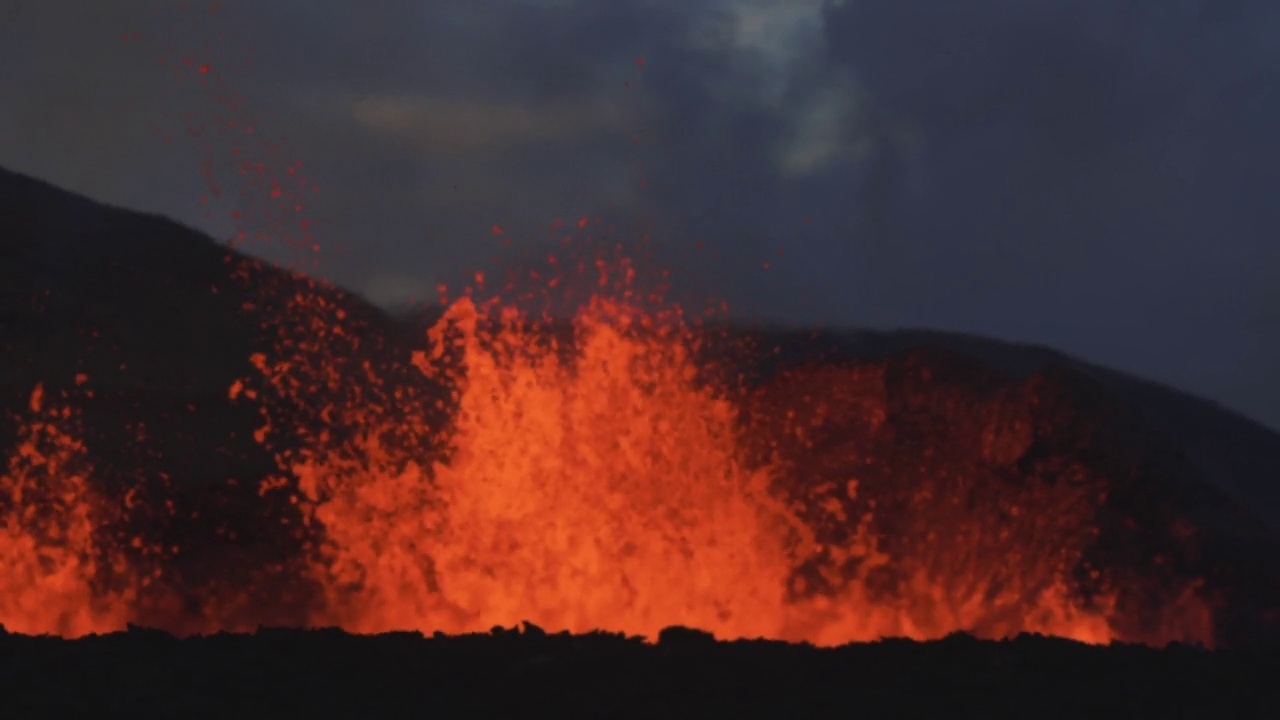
(1098, 176)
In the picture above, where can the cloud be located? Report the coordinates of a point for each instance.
(1091, 172)
(768, 41)
(1094, 175)
(445, 126)
(826, 130)
(393, 291)
(769, 59)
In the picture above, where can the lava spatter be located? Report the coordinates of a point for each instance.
(599, 481)
(600, 491)
(56, 577)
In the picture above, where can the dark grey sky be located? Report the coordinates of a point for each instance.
(1094, 175)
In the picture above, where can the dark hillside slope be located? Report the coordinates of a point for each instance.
(1238, 455)
(156, 320)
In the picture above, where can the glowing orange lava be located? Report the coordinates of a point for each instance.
(603, 486)
(599, 480)
(602, 492)
(52, 566)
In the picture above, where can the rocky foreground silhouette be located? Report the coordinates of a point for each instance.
(519, 672)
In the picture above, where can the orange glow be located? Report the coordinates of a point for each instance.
(597, 480)
(53, 571)
(598, 493)
(603, 486)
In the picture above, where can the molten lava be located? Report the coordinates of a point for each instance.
(602, 491)
(51, 568)
(602, 485)
(601, 480)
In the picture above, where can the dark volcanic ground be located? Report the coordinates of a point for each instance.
(512, 673)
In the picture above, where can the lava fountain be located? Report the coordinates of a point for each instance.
(54, 575)
(598, 491)
(600, 478)
(601, 482)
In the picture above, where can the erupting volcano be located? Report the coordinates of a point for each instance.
(605, 479)
(503, 390)
(627, 471)
(604, 486)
